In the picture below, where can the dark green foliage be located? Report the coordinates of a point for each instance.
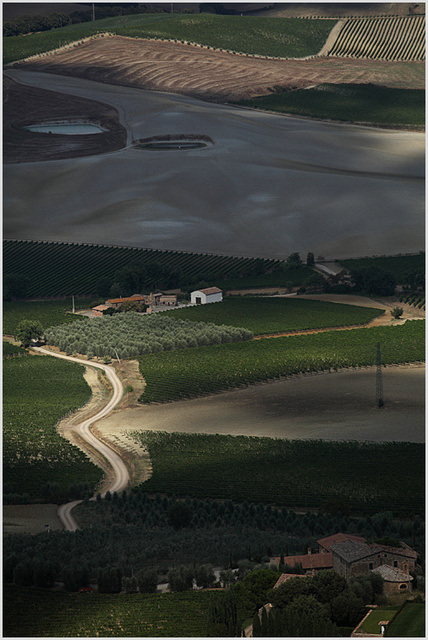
(373, 281)
(147, 580)
(44, 573)
(292, 588)
(346, 609)
(179, 515)
(328, 585)
(28, 330)
(348, 102)
(257, 627)
(204, 576)
(109, 580)
(180, 579)
(368, 588)
(15, 286)
(52, 312)
(402, 266)
(305, 617)
(12, 350)
(9, 564)
(75, 576)
(223, 615)
(23, 574)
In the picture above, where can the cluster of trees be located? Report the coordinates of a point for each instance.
(372, 281)
(137, 533)
(15, 286)
(132, 334)
(317, 606)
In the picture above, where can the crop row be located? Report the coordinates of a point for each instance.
(192, 372)
(57, 269)
(305, 473)
(48, 313)
(349, 103)
(131, 334)
(382, 39)
(38, 391)
(275, 315)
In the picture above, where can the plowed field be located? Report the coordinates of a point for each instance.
(214, 75)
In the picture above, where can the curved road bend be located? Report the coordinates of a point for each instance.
(119, 469)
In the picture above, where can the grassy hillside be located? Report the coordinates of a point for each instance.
(348, 102)
(283, 37)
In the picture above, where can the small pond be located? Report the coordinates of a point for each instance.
(66, 128)
(172, 145)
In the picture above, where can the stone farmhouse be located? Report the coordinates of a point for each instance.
(152, 301)
(205, 296)
(352, 556)
(394, 564)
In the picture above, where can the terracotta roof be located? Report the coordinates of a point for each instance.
(309, 561)
(210, 290)
(407, 553)
(392, 575)
(133, 298)
(338, 537)
(351, 551)
(286, 576)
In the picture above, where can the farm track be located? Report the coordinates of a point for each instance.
(213, 75)
(119, 473)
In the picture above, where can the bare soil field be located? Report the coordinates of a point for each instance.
(30, 518)
(327, 406)
(24, 105)
(213, 75)
(268, 186)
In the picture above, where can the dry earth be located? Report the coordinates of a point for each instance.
(30, 518)
(25, 105)
(268, 186)
(213, 75)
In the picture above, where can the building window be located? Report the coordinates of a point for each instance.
(395, 563)
(403, 586)
(370, 565)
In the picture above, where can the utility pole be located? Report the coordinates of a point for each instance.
(73, 310)
(172, 8)
(379, 384)
(93, 12)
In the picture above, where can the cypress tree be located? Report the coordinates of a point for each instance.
(257, 627)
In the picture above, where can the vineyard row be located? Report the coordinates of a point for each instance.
(382, 39)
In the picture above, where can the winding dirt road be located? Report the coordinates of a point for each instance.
(120, 471)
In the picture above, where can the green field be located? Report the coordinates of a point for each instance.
(48, 313)
(295, 473)
(29, 613)
(275, 315)
(65, 269)
(11, 350)
(399, 266)
(37, 392)
(191, 372)
(371, 623)
(409, 622)
(282, 37)
(348, 102)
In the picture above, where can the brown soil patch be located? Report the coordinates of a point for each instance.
(25, 105)
(213, 75)
(30, 518)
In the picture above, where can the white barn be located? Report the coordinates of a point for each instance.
(204, 296)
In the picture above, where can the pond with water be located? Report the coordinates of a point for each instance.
(68, 129)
